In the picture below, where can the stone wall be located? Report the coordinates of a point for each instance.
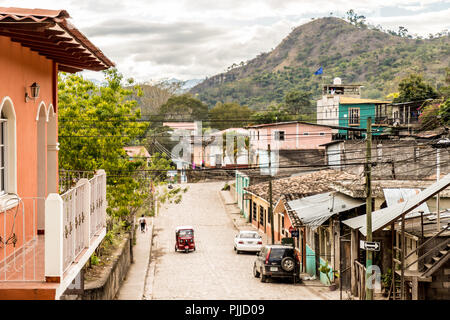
(108, 284)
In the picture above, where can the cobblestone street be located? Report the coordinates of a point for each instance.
(214, 270)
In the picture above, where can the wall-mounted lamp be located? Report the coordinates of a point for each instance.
(34, 92)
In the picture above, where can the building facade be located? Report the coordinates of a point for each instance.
(36, 45)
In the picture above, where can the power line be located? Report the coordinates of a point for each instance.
(258, 167)
(360, 106)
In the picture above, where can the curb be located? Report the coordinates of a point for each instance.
(226, 210)
(148, 272)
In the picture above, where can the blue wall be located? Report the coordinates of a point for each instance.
(310, 261)
(311, 265)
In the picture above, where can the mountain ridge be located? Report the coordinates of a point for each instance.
(370, 57)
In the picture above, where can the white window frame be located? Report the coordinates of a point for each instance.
(8, 196)
(277, 135)
(354, 116)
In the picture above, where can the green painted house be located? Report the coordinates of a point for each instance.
(354, 112)
(242, 181)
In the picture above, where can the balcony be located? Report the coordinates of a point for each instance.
(43, 266)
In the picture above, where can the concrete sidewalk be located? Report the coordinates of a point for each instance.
(234, 212)
(134, 284)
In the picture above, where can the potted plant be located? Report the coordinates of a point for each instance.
(326, 269)
(386, 280)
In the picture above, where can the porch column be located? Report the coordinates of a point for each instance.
(336, 247)
(52, 168)
(53, 238)
(415, 288)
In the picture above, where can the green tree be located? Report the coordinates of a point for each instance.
(445, 90)
(444, 112)
(154, 95)
(240, 144)
(229, 115)
(96, 123)
(428, 119)
(274, 113)
(414, 88)
(298, 102)
(184, 107)
(355, 19)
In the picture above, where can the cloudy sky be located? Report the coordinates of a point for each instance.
(151, 40)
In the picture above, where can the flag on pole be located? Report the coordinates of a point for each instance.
(319, 71)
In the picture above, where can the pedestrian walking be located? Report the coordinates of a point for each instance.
(143, 224)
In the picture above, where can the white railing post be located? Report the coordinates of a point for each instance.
(54, 238)
(85, 211)
(102, 173)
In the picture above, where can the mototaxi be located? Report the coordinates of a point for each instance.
(184, 239)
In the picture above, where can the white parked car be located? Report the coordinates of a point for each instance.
(249, 241)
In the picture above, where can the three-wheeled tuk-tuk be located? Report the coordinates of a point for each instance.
(184, 238)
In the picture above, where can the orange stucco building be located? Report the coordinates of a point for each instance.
(35, 45)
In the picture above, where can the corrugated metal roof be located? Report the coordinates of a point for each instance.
(399, 195)
(315, 210)
(384, 217)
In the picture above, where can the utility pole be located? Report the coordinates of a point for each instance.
(368, 172)
(443, 143)
(270, 197)
(438, 175)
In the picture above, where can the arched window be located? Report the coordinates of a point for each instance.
(8, 160)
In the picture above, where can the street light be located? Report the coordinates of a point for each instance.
(34, 92)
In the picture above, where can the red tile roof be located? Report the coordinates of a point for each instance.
(301, 186)
(49, 33)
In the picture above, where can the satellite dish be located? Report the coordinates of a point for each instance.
(337, 80)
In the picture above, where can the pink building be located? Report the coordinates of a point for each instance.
(292, 135)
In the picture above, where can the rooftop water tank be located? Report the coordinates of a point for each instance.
(337, 80)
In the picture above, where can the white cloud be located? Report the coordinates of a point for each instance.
(196, 38)
(421, 23)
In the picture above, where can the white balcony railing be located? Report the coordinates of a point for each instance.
(72, 221)
(19, 243)
(98, 203)
(74, 225)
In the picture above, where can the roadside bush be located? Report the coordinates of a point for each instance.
(428, 119)
(94, 260)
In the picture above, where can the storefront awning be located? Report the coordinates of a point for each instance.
(314, 210)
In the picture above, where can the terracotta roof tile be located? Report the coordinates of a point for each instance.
(49, 33)
(301, 186)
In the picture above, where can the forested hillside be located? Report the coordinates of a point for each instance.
(356, 53)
